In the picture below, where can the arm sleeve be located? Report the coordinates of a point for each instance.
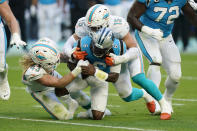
(115, 69)
(68, 46)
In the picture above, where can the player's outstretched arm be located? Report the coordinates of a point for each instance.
(51, 81)
(7, 15)
(190, 13)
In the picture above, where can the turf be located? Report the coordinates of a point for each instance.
(22, 113)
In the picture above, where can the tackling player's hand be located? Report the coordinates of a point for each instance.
(109, 61)
(193, 4)
(16, 40)
(88, 70)
(155, 33)
(79, 55)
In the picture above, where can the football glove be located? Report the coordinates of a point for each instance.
(16, 40)
(193, 4)
(109, 61)
(79, 55)
(155, 33)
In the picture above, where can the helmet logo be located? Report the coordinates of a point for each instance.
(106, 16)
(40, 56)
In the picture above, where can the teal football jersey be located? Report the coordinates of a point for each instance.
(161, 15)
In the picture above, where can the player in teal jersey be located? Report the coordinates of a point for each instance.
(153, 21)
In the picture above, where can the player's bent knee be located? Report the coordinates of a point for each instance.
(176, 75)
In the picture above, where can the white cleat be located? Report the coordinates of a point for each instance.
(4, 90)
(157, 108)
(165, 111)
(108, 112)
(170, 104)
(86, 114)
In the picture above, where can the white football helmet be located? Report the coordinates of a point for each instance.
(97, 16)
(45, 53)
(103, 41)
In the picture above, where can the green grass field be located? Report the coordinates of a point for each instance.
(22, 113)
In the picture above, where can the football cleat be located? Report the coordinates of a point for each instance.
(158, 108)
(108, 112)
(4, 86)
(165, 111)
(151, 106)
(165, 116)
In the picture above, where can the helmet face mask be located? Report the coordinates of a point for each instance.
(102, 42)
(98, 52)
(44, 53)
(97, 17)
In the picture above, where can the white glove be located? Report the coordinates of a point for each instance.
(33, 10)
(155, 33)
(16, 40)
(130, 54)
(117, 59)
(77, 69)
(193, 4)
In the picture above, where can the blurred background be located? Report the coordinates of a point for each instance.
(56, 19)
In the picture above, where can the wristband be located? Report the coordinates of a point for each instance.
(76, 71)
(101, 75)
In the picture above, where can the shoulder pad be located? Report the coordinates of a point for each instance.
(119, 26)
(34, 72)
(81, 28)
(85, 42)
(119, 47)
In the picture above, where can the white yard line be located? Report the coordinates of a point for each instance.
(77, 124)
(177, 104)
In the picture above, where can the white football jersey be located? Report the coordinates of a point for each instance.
(34, 73)
(118, 25)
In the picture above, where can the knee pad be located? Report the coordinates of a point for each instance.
(175, 75)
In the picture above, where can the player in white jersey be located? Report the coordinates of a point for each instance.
(7, 15)
(45, 84)
(99, 16)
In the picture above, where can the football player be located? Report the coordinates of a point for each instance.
(44, 83)
(97, 49)
(7, 15)
(153, 21)
(98, 17)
